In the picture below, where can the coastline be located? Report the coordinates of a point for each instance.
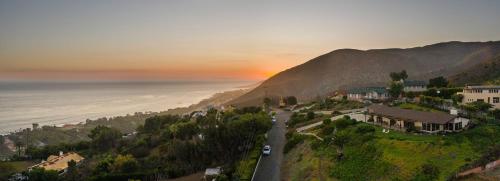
(78, 131)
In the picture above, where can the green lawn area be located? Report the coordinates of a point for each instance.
(408, 152)
(417, 107)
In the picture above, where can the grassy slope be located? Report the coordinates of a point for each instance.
(408, 152)
(302, 163)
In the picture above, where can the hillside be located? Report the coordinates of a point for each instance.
(346, 68)
(482, 73)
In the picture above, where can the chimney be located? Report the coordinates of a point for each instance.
(453, 111)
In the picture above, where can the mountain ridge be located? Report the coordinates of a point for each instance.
(347, 68)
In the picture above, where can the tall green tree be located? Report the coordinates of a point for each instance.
(438, 82)
(397, 76)
(291, 100)
(395, 89)
(104, 138)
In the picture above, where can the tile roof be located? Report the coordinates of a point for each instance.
(59, 163)
(411, 115)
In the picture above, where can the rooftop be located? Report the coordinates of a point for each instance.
(411, 115)
(59, 163)
(414, 83)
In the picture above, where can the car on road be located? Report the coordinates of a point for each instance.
(274, 121)
(266, 150)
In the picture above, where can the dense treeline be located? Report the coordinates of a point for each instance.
(166, 146)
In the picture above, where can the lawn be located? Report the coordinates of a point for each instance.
(417, 107)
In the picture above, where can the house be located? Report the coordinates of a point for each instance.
(488, 94)
(371, 93)
(59, 163)
(404, 119)
(414, 86)
(212, 173)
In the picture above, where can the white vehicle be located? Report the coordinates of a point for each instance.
(274, 121)
(266, 150)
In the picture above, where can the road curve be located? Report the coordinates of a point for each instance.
(269, 166)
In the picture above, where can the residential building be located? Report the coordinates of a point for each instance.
(59, 163)
(414, 86)
(488, 94)
(404, 119)
(371, 93)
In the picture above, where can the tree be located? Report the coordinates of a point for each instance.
(40, 174)
(310, 115)
(457, 98)
(104, 138)
(480, 106)
(291, 100)
(395, 89)
(403, 75)
(71, 173)
(495, 113)
(267, 101)
(397, 76)
(438, 82)
(125, 164)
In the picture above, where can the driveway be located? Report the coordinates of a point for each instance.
(269, 166)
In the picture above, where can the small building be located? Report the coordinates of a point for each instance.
(212, 173)
(405, 119)
(414, 86)
(59, 163)
(488, 94)
(368, 93)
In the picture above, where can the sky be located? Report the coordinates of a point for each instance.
(217, 39)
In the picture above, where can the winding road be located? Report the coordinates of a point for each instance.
(268, 169)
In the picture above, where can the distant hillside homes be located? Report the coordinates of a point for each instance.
(414, 86)
(367, 93)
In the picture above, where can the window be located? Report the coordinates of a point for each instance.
(493, 91)
(448, 126)
(480, 100)
(458, 126)
(496, 99)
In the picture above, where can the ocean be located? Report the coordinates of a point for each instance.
(58, 103)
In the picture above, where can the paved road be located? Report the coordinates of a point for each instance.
(269, 166)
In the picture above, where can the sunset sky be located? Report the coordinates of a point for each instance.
(187, 39)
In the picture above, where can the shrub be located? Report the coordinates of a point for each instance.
(292, 142)
(427, 172)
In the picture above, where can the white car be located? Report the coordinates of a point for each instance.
(266, 150)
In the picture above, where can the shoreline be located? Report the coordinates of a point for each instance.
(216, 99)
